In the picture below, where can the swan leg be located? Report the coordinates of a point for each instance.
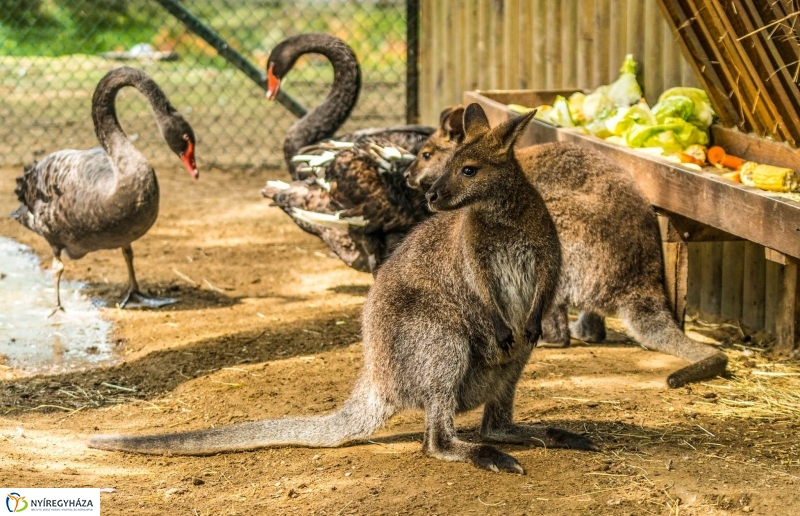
(134, 298)
(58, 269)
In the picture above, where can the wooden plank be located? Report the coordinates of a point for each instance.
(426, 64)
(676, 269)
(554, 67)
(732, 280)
(497, 62)
(672, 57)
(484, 43)
(711, 287)
(694, 280)
(677, 228)
(617, 34)
(569, 44)
(753, 293)
(511, 48)
(600, 52)
(787, 316)
(539, 44)
(774, 277)
(653, 49)
(526, 45)
(585, 45)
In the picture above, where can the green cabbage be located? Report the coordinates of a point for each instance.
(679, 106)
(674, 135)
(559, 115)
(702, 115)
(625, 91)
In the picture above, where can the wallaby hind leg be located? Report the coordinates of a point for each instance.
(442, 442)
(498, 423)
(651, 324)
(590, 327)
(555, 328)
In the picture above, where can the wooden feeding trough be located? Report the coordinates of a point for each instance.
(694, 206)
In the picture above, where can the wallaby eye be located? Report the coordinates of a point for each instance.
(469, 171)
(426, 156)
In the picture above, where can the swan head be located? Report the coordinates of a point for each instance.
(180, 138)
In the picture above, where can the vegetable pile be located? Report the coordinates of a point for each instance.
(675, 128)
(618, 113)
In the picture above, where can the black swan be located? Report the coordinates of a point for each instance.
(351, 191)
(106, 197)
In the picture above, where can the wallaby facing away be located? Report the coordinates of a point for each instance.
(612, 262)
(448, 325)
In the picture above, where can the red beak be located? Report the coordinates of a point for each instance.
(273, 84)
(188, 160)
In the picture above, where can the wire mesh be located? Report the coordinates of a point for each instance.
(53, 53)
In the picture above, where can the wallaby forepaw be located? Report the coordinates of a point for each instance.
(492, 459)
(532, 337)
(504, 337)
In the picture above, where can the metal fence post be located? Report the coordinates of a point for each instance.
(412, 61)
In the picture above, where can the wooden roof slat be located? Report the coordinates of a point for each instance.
(698, 58)
(751, 64)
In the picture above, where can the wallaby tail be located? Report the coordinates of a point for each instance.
(363, 413)
(652, 325)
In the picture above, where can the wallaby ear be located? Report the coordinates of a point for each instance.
(508, 132)
(451, 123)
(475, 122)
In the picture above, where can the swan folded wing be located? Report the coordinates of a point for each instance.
(408, 137)
(48, 188)
(299, 194)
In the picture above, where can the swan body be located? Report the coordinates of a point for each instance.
(106, 197)
(350, 190)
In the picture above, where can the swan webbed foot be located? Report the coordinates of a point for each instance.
(57, 310)
(135, 299)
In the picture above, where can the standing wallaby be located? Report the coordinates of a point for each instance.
(448, 325)
(612, 261)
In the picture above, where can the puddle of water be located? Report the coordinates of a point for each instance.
(30, 341)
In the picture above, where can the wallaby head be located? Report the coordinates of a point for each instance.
(483, 168)
(429, 165)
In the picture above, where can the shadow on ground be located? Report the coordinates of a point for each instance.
(162, 371)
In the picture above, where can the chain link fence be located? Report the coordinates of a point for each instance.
(53, 53)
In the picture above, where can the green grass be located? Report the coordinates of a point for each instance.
(49, 70)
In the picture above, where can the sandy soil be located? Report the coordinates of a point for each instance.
(268, 325)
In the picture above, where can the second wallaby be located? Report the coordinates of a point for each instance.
(609, 242)
(448, 325)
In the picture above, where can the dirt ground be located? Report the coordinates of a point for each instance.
(268, 325)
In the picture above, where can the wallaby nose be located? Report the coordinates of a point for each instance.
(432, 196)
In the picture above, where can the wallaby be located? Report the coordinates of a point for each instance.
(448, 324)
(609, 242)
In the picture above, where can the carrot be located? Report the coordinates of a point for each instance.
(718, 157)
(688, 158)
(716, 154)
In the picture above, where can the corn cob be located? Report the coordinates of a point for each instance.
(768, 177)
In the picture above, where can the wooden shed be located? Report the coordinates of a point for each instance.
(727, 47)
